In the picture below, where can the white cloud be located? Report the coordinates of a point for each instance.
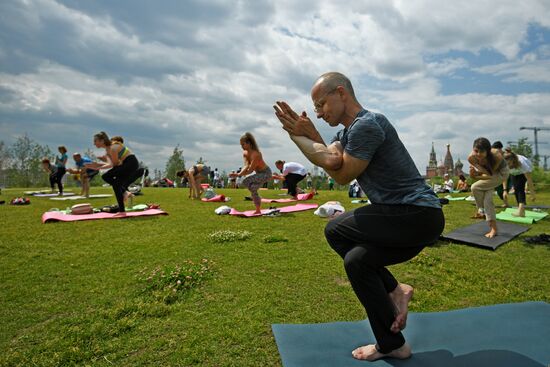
(199, 74)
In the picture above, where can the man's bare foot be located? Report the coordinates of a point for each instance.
(518, 214)
(120, 214)
(478, 216)
(369, 353)
(258, 212)
(401, 296)
(492, 233)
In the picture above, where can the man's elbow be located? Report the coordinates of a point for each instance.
(342, 179)
(333, 163)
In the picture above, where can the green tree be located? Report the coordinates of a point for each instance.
(4, 163)
(26, 156)
(175, 163)
(523, 147)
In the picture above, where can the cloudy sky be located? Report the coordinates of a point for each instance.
(200, 73)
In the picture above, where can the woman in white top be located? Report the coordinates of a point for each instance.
(520, 170)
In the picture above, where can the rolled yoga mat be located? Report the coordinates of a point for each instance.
(508, 335)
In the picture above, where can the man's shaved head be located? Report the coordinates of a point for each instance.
(329, 81)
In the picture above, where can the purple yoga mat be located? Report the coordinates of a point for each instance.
(61, 217)
(301, 197)
(284, 209)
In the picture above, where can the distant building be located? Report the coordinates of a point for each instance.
(458, 168)
(448, 162)
(445, 166)
(431, 169)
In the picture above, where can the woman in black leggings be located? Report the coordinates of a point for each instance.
(53, 174)
(124, 167)
(520, 171)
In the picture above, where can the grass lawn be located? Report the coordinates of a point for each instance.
(70, 293)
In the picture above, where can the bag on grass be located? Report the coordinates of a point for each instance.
(109, 208)
(209, 193)
(20, 201)
(223, 210)
(79, 209)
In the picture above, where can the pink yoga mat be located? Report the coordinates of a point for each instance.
(284, 209)
(215, 199)
(61, 217)
(301, 197)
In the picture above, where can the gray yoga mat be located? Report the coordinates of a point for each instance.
(473, 235)
(508, 335)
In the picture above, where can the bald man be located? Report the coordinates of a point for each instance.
(404, 217)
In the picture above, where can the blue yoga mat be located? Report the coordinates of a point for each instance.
(514, 335)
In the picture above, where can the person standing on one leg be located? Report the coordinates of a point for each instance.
(503, 188)
(124, 166)
(490, 169)
(520, 171)
(291, 173)
(404, 217)
(253, 162)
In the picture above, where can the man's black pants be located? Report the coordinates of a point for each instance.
(292, 180)
(372, 237)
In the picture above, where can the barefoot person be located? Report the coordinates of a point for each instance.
(404, 217)
(502, 189)
(86, 174)
(291, 173)
(123, 164)
(490, 169)
(253, 162)
(195, 176)
(520, 171)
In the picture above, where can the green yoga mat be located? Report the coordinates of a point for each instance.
(509, 335)
(530, 216)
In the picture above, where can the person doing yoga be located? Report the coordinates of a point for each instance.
(123, 164)
(404, 217)
(520, 169)
(195, 176)
(53, 175)
(253, 162)
(60, 169)
(490, 169)
(291, 173)
(86, 174)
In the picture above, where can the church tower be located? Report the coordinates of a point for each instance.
(431, 169)
(448, 162)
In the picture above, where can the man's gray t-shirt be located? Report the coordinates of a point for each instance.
(391, 176)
